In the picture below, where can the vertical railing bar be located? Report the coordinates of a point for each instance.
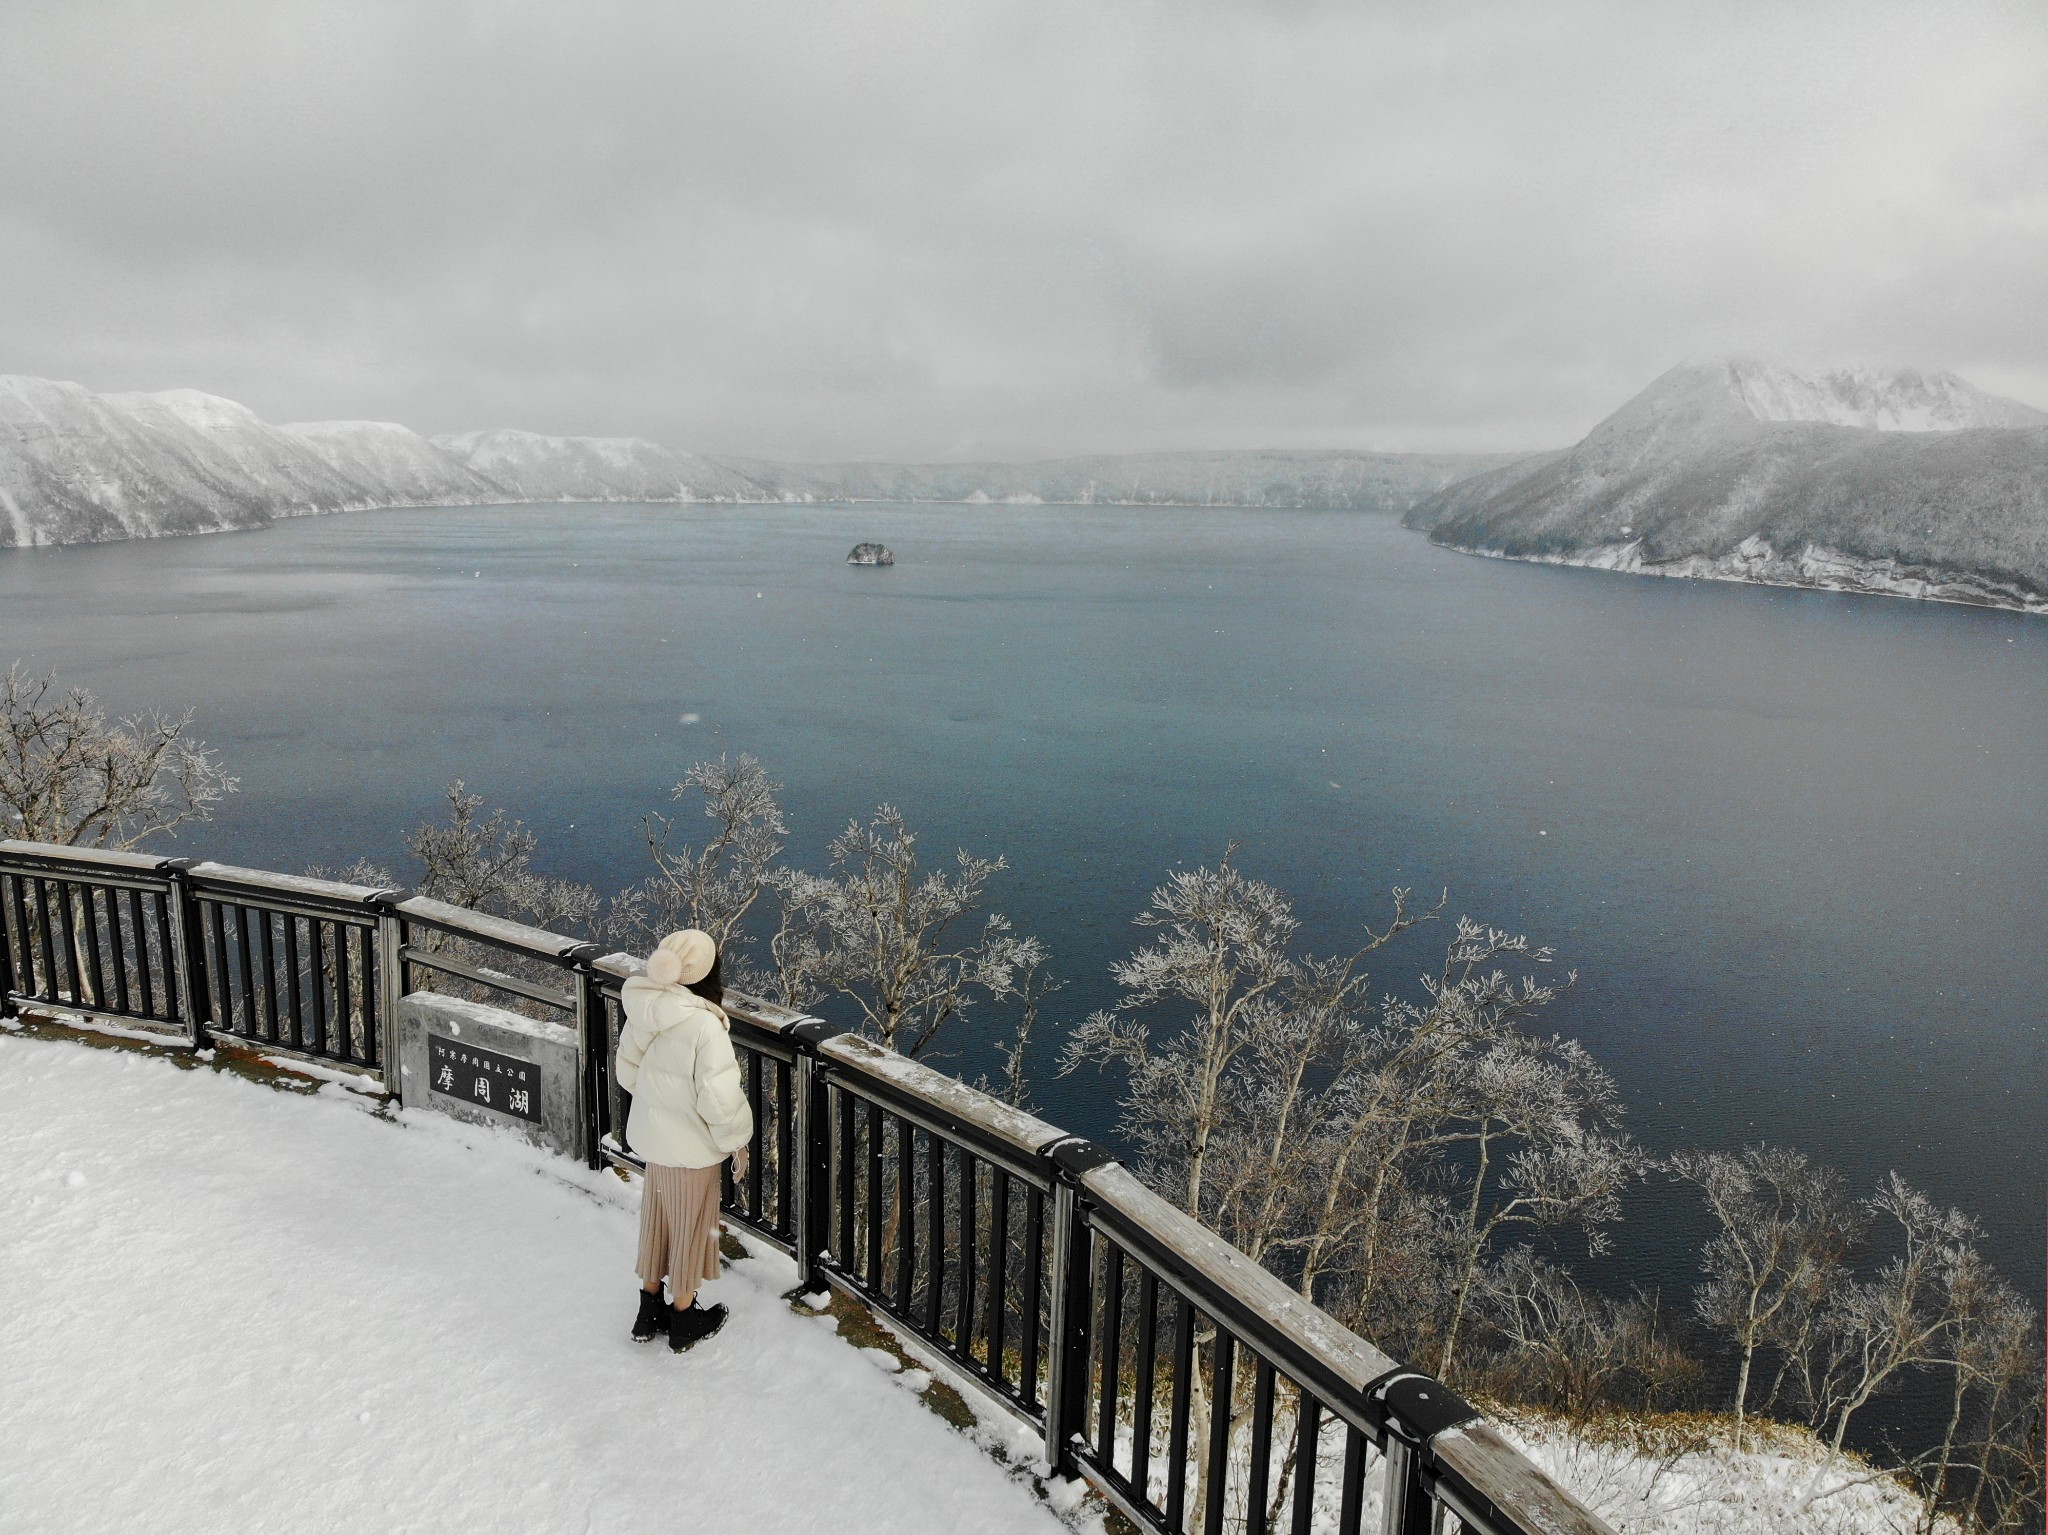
(1071, 1271)
(344, 993)
(90, 908)
(998, 1270)
(970, 1244)
(390, 990)
(1112, 1351)
(1034, 1261)
(593, 1047)
(185, 956)
(323, 1042)
(181, 987)
(246, 968)
(759, 1154)
(906, 1214)
(843, 1151)
(293, 981)
(7, 987)
(117, 956)
(935, 1231)
(224, 994)
(785, 1133)
(70, 926)
(1183, 1403)
(145, 977)
(266, 950)
(812, 1190)
(1308, 1431)
(1146, 1361)
(42, 896)
(1258, 1473)
(25, 978)
(874, 1200)
(1352, 1507)
(1222, 1395)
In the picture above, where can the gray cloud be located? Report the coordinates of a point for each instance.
(898, 229)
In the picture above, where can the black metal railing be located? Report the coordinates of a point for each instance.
(1195, 1390)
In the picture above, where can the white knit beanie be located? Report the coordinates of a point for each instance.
(683, 959)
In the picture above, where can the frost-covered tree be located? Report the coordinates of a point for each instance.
(1876, 1330)
(1531, 1129)
(1785, 1232)
(69, 774)
(486, 863)
(715, 884)
(898, 940)
(1383, 1215)
(1555, 1344)
(1218, 957)
(1992, 1358)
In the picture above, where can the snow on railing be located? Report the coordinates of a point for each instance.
(1191, 1387)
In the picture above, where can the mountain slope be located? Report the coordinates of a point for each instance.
(392, 465)
(530, 467)
(1380, 482)
(1909, 483)
(76, 467)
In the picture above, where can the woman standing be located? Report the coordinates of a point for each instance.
(689, 1113)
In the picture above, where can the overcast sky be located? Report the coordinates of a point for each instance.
(959, 229)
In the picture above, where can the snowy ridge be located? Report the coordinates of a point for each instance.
(1378, 482)
(527, 466)
(392, 465)
(78, 467)
(1904, 483)
(1877, 399)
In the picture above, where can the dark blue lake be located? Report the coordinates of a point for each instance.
(1796, 844)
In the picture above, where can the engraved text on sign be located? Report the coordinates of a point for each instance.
(483, 1078)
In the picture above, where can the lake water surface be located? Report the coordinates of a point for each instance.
(1796, 844)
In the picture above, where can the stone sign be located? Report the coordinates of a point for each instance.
(492, 1067)
(483, 1078)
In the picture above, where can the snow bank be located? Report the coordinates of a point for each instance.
(1674, 1478)
(232, 1309)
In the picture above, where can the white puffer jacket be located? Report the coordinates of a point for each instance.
(676, 1059)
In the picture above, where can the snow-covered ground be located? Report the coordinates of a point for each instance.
(228, 1308)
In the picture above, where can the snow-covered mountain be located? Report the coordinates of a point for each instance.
(1380, 482)
(79, 467)
(1884, 400)
(530, 467)
(393, 465)
(1906, 482)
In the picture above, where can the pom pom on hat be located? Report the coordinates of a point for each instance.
(683, 959)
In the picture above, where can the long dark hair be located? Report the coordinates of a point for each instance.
(712, 987)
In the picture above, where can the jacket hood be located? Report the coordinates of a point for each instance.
(663, 1007)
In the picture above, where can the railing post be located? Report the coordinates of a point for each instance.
(188, 956)
(811, 1177)
(7, 938)
(390, 982)
(1071, 1272)
(1416, 1409)
(593, 1044)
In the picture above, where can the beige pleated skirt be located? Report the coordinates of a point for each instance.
(679, 1227)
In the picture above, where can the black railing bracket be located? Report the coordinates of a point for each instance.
(1419, 1407)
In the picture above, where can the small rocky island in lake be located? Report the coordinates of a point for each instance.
(871, 554)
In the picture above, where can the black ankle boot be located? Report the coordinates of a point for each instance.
(653, 1317)
(694, 1325)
